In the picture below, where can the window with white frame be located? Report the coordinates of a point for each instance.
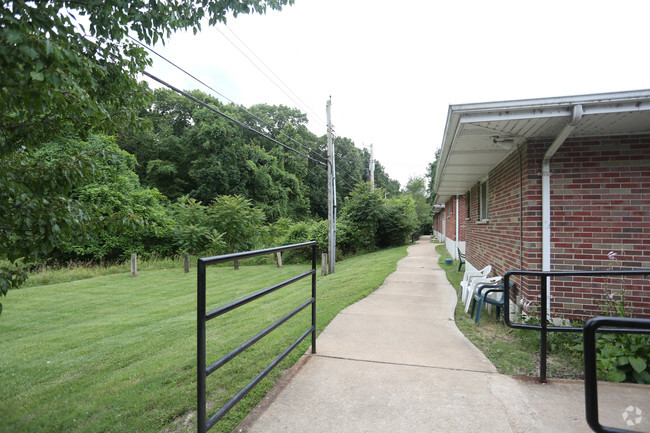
(483, 201)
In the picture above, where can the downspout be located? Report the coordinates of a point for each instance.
(457, 233)
(546, 195)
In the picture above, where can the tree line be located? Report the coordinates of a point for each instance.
(94, 165)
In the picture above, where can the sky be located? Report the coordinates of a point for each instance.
(393, 68)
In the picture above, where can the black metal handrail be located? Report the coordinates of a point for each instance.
(543, 327)
(204, 371)
(589, 345)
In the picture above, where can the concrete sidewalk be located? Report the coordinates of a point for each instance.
(396, 362)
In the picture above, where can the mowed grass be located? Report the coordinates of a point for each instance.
(118, 354)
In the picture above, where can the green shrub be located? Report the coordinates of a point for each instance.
(623, 357)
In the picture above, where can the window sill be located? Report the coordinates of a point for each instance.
(482, 222)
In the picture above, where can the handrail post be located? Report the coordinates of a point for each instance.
(200, 345)
(542, 349)
(313, 295)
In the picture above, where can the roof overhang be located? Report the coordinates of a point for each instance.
(437, 208)
(478, 137)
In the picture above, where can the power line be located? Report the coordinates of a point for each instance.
(224, 96)
(265, 74)
(232, 119)
(319, 161)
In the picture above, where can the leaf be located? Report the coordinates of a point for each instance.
(36, 76)
(615, 376)
(638, 364)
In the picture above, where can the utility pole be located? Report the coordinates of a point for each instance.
(331, 192)
(372, 167)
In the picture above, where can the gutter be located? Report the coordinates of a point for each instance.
(576, 116)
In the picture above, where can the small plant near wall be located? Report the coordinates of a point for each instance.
(621, 357)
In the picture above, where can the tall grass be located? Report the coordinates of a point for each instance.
(115, 353)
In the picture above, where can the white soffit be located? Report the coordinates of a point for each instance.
(468, 149)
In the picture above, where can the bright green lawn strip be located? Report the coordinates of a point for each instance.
(116, 353)
(513, 352)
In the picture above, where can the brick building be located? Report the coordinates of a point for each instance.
(552, 184)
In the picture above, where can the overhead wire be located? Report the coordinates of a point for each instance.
(317, 159)
(271, 71)
(225, 97)
(232, 119)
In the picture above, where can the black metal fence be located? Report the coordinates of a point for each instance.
(589, 342)
(544, 327)
(204, 371)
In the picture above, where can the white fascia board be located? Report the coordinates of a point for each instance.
(557, 102)
(447, 140)
(601, 103)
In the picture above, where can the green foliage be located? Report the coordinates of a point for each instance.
(59, 72)
(58, 78)
(431, 177)
(123, 217)
(237, 219)
(398, 222)
(38, 208)
(623, 357)
(193, 151)
(417, 190)
(363, 210)
(193, 230)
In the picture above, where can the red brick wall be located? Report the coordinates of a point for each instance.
(450, 214)
(600, 202)
(462, 218)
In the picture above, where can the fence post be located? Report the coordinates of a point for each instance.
(187, 263)
(323, 266)
(134, 265)
(278, 259)
(313, 296)
(236, 261)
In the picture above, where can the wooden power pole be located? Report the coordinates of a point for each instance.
(331, 192)
(371, 168)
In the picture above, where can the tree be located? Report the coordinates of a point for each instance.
(125, 217)
(193, 229)
(431, 176)
(60, 78)
(398, 222)
(36, 210)
(362, 212)
(417, 190)
(57, 73)
(237, 219)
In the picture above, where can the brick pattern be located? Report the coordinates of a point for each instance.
(600, 202)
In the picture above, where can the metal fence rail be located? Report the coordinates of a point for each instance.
(589, 344)
(543, 327)
(204, 371)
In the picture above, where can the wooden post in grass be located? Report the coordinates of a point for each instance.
(236, 261)
(187, 263)
(134, 265)
(278, 259)
(323, 266)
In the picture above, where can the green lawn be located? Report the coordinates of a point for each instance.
(115, 353)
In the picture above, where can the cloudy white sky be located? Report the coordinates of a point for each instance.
(393, 68)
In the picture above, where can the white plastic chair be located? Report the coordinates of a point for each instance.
(469, 276)
(472, 288)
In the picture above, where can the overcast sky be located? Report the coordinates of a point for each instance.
(393, 68)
